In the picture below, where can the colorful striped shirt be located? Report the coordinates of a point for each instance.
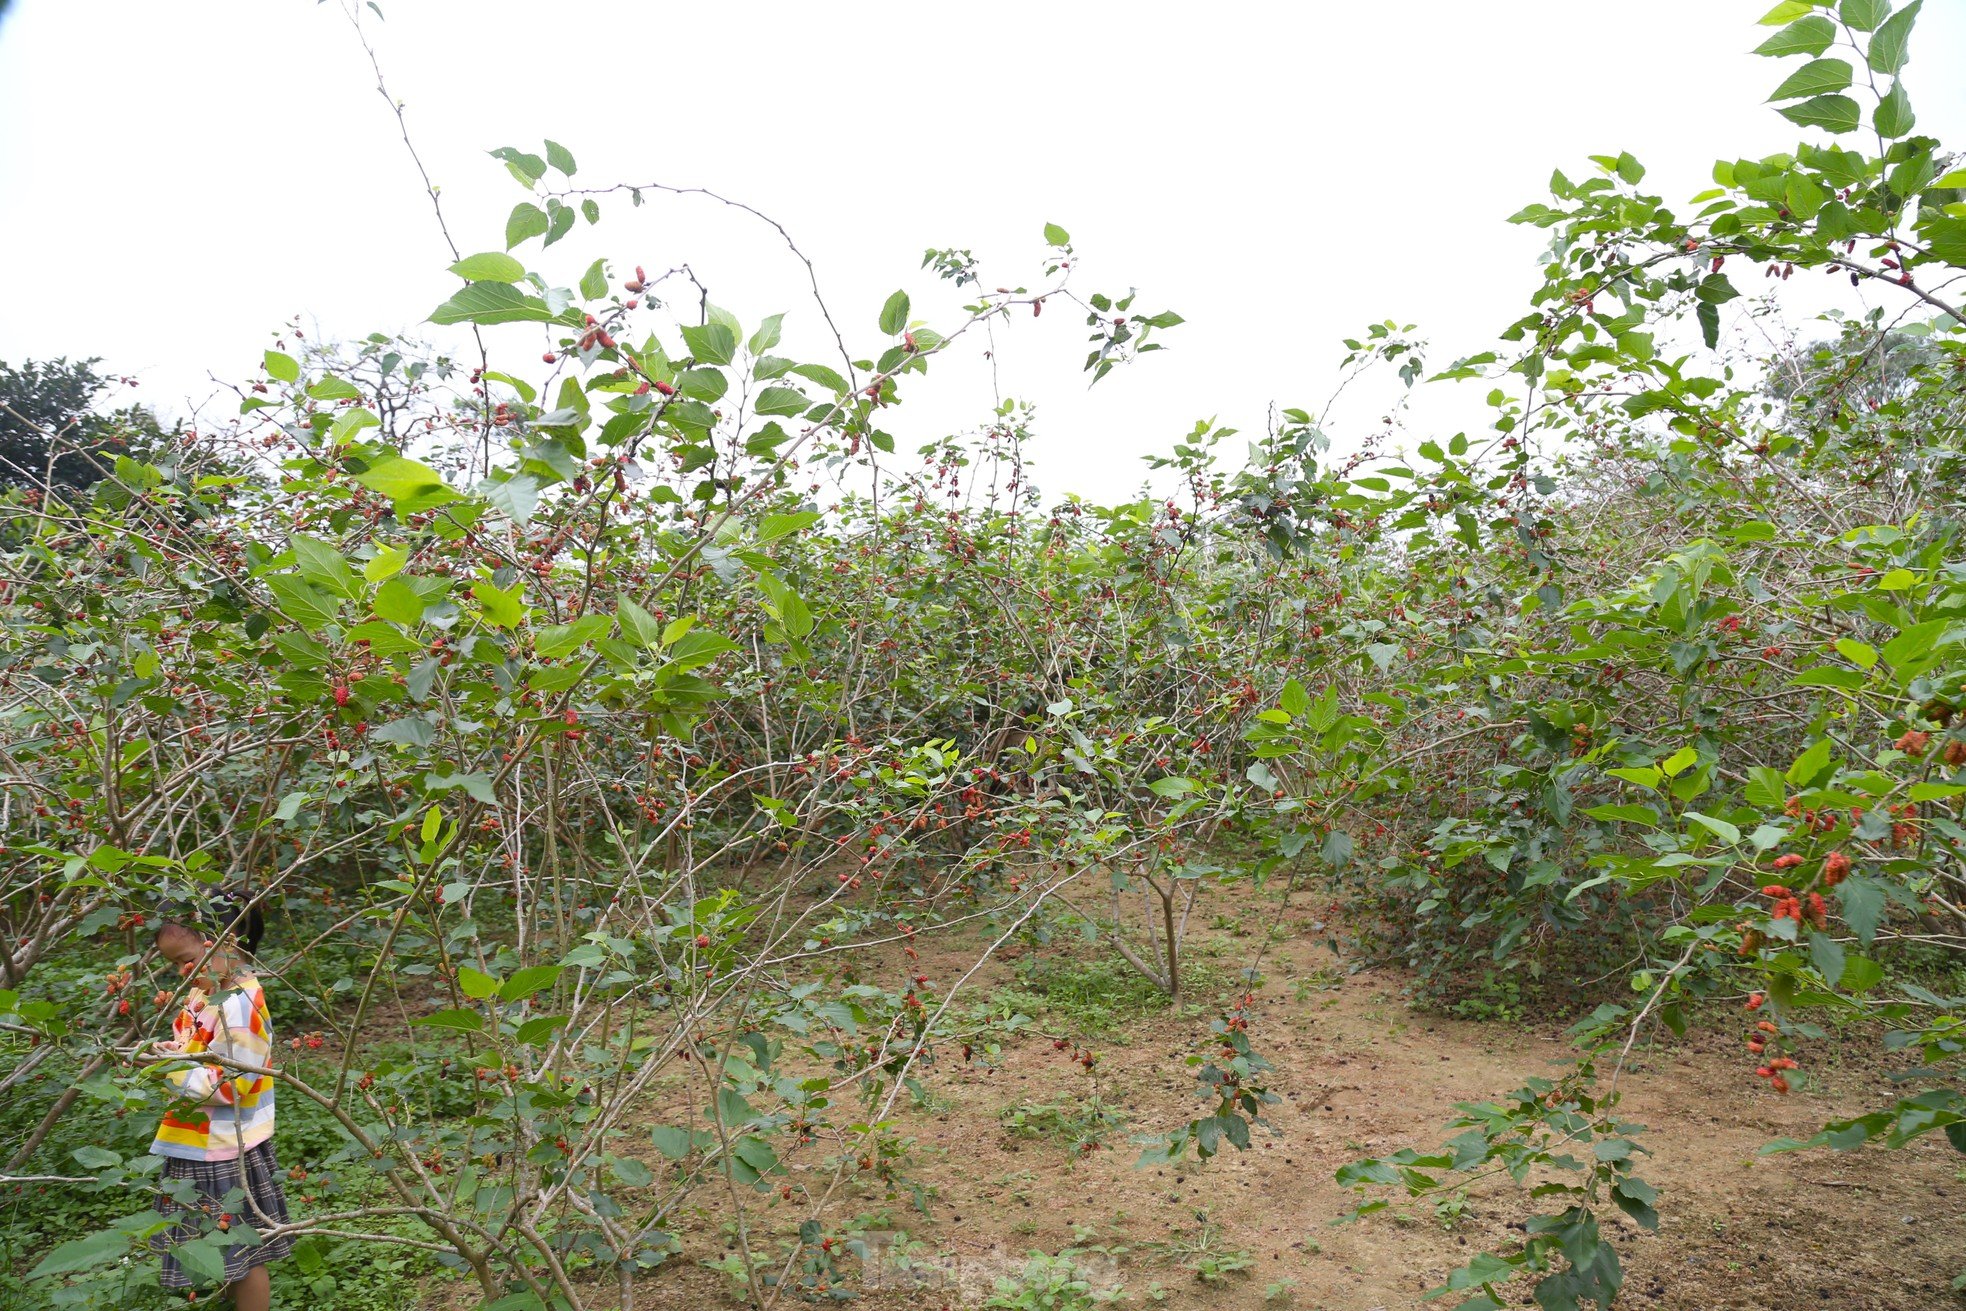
(220, 1113)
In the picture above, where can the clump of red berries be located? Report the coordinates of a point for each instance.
(1773, 1072)
(1803, 908)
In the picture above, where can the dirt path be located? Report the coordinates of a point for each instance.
(1361, 1073)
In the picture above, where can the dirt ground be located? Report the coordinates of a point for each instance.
(1363, 1073)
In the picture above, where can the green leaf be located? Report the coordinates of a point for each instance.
(1862, 900)
(711, 343)
(560, 157)
(714, 313)
(732, 1109)
(1829, 676)
(776, 526)
(792, 610)
(1720, 828)
(1811, 764)
(470, 982)
(1715, 289)
(1803, 197)
(491, 266)
(672, 1142)
(524, 983)
(1337, 849)
(1625, 814)
(637, 624)
(556, 640)
(464, 1021)
(411, 731)
(350, 422)
(1786, 12)
(696, 648)
(1861, 654)
(820, 374)
(491, 302)
(519, 1301)
(1805, 36)
(1171, 787)
(894, 314)
(1766, 788)
(539, 1030)
(559, 221)
(202, 1258)
(1897, 580)
(1635, 1198)
(1826, 954)
(382, 639)
(525, 166)
(706, 386)
(766, 336)
(1893, 117)
(282, 367)
(322, 566)
(99, 1248)
(1915, 642)
(398, 601)
(1646, 776)
(1830, 113)
(515, 496)
(1294, 700)
(1890, 47)
(594, 282)
(1056, 236)
(302, 603)
(406, 480)
(1709, 317)
(1860, 974)
(478, 786)
(386, 563)
(1863, 15)
(330, 388)
(1679, 762)
(526, 221)
(632, 1173)
(780, 401)
(1948, 239)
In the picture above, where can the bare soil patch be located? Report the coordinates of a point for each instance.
(1362, 1072)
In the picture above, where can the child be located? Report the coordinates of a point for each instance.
(217, 1137)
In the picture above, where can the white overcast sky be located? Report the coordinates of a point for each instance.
(178, 179)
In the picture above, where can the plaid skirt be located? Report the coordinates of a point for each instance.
(245, 1200)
